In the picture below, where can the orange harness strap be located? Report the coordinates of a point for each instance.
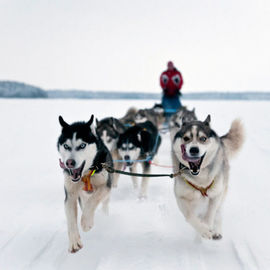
(201, 189)
(87, 181)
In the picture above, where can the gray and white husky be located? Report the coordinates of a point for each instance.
(109, 129)
(204, 158)
(82, 153)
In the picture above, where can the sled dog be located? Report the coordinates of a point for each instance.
(109, 129)
(139, 142)
(129, 118)
(176, 120)
(85, 181)
(154, 115)
(204, 157)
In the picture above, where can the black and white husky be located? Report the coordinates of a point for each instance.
(204, 158)
(139, 142)
(82, 153)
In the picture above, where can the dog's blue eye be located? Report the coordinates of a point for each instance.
(66, 146)
(203, 139)
(83, 145)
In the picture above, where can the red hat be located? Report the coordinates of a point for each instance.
(170, 65)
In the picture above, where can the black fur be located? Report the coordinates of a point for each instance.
(82, 131)
(148, 133)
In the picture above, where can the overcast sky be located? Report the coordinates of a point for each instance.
(125, 45)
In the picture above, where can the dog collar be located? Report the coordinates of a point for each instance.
(201, 189)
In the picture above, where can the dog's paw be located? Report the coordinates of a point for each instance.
(86, 223)
(217, 236)
(205, 232)
(142, 197)
(75, 244)
(208, 234)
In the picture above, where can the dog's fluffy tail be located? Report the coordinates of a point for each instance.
(234, 139)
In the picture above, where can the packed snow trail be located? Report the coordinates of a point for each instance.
(150, 234)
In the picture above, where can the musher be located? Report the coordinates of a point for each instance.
(171, 82)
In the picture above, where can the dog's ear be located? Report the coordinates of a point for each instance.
(62, 122)
(184, 121)
(97, 122)
(89, 123)
(114, 124)
(193, 111)
(207, 120)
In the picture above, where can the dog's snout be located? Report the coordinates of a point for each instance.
(70, 163)
(194, 151)
(127, 157)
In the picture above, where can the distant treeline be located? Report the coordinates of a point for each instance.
(11, 89)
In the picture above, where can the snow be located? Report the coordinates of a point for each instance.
(136, 235)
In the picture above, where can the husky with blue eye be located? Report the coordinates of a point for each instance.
(82, 154)
(139, 142)
(204, 157)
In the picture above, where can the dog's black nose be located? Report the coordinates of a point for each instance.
(70, 163)
(126, 157)
(194, 151)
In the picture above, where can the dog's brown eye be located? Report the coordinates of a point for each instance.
(203, 139)
(186, 138)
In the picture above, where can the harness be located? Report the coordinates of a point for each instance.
(201, 189)
(87, 180)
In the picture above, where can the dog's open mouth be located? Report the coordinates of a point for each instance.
(193, 162)
(129, 163)
(76, 173)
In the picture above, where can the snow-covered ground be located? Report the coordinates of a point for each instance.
(136, 235)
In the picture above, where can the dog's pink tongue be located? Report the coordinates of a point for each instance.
(183, 149)
(62, 165)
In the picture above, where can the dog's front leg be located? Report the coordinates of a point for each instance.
(133, 169)
(188, 208)
(99, 195)
(213, 216)
(118, 166)
(145, 181)
(75, 243)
